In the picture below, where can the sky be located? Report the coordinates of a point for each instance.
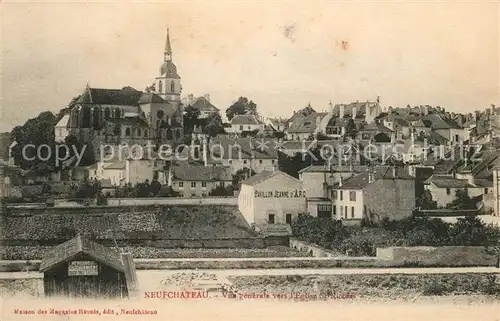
(280, 54)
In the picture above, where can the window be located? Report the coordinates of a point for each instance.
(160, 87)
(118, 113)
(334, 210)
(160, 114)
(273, 161)
(193, 194)
(260, 161)
(448, 191)
(270, 219)
(172, 87)
(127, 131)
(365, 210)
(241, 127)
(341, 211)
(249, 127)
(193, 184)
(345, 211)
(457, 138)
(222, 184)
(352, 211)
(146, 133)
(288, 218)
(352, 196)
(334, 194)
(203, 194)
(245, 161)
(138, 132)
(181, 184)
(107, 113)
(485, 191)
(203, 184)
(230, 161)
(341, 196)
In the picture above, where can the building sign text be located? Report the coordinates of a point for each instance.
(280, 194)
(82, 268)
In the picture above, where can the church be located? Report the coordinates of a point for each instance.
(129, 116)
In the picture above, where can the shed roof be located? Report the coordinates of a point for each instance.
(64, 252)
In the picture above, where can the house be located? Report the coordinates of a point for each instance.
(302, 128)
(375, 131)
(246, 123)
(443, 188)
(398, 124)
(448, 128)
(359, 111)
(277, 124)
(198, 181)
(254, 154)
(271, 197)
(304, 112)
(317, 181)
(385, 192)
(202, 104)
(126, 167)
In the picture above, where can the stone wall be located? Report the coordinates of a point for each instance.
(313, 250)
(438, 256)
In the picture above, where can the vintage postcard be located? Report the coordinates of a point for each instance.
(238, 160)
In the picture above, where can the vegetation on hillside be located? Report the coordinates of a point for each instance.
(363, 240)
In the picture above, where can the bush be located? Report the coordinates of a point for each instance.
(433, 288)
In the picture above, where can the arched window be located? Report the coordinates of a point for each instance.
(160, 87)
(118, 113)
(145, 133)
(127, 131)
(107, 113)
(169, 134)
(86, 115)
(96, 118)
(138, 132)
(172, 86)
(160, 114)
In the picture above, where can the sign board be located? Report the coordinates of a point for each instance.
(83, 268)
(280, 194)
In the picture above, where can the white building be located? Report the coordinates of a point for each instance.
(246, 123)
(271, 197)
(198, 180)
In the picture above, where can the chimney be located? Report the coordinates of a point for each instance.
(371, 177)
(354, 111)
(426, 110)
(341, 114)
(207, 97)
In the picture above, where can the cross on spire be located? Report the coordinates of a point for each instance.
(168, 48)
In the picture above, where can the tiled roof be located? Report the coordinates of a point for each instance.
(483, 182)
(263, 176)
(338, 122)
(203, 104)
(244, 120)
(315, 169)
(304, 112)
(227, 148)
(375, 127)
(66, 251)
(303, 125)
(202, 173)
(348, 108)
(127, 96)
(442, 181)
(360, 181)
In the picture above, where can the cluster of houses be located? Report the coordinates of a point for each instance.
(412, 151)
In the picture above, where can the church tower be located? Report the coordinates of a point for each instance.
(168, 84)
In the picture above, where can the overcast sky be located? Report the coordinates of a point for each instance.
(281, 55)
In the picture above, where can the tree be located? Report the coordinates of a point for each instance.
(242, 106)
(222, 191)
(214, 126)
(191, 120)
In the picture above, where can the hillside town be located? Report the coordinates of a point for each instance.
(163, 175)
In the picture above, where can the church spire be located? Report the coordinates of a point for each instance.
(168, 48)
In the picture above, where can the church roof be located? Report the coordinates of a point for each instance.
(203, 104)
(126, 96)
(169, 70)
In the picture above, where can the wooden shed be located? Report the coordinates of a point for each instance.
(82, 268)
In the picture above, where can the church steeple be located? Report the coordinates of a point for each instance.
(168, 48)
